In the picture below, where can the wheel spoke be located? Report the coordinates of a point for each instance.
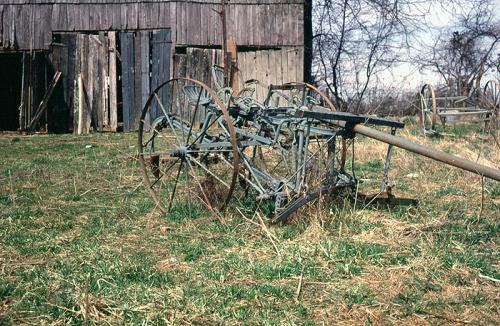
(203, 132)
(208, 171)
(207, 202)
(194, 116)
(175, 187)
(188, 191)
(163, 173)
(168, 118)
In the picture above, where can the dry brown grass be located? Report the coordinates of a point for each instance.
(80, 241)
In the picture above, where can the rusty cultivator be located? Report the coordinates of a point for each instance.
(200, 146)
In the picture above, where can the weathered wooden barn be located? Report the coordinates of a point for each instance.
(111, 53)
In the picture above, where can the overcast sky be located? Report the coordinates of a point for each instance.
(407, 75)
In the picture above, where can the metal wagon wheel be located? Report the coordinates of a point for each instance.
(187, 146)
(428, 108)
(491, 95)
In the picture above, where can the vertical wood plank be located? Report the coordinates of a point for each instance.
(160, 68)
(78, 91)
(174, 22)
(137, 82)
(71, 77)
(284, 67)
(113, 91)
(92, 84)
(103, 74)
(300, 64)
(127, 58)
(144, 77)
(233, 51)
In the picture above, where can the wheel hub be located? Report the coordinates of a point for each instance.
(180, 152)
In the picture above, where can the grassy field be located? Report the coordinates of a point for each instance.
(81, 242)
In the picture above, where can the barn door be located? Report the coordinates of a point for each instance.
(145, 64)
(91, 111)
(82, 95)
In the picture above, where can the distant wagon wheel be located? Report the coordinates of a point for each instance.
(428, 109)
(491, 95)
(187, 146)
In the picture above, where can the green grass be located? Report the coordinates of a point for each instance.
(81, 241)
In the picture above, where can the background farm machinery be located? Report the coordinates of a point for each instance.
(203, 146)
(446, 105)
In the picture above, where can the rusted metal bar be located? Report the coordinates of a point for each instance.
(450, 114)
(453, 160)
(468, 108)
(452, 98)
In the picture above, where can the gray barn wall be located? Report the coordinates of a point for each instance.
(28, 24)
(269, 35)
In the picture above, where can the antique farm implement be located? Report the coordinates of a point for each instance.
(199, 146)
(442, 106)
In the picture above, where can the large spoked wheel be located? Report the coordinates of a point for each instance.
(187, 147)
(428, 109)
(491, 95)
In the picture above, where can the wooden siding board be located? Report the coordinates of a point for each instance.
(1, 25)
(97, 109)
(173, 19)
(137, 83)
(299, 27)
(103, 74)
(126, 52)
(76, 102)
(160, 67)
(196, 27)
(204, 25)
(216, 25)
(272, 31)
(284, 68)
(281, 16)
(113, 78)
(145, 82)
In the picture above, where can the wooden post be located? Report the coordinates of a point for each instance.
(80, 105)
(144, 77)
(42, 108)
(233, 54)
(103, 76)
(113, 96)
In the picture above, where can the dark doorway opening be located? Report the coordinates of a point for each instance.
(10, 90)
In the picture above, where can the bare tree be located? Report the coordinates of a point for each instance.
(355, 40)
(463, 54)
